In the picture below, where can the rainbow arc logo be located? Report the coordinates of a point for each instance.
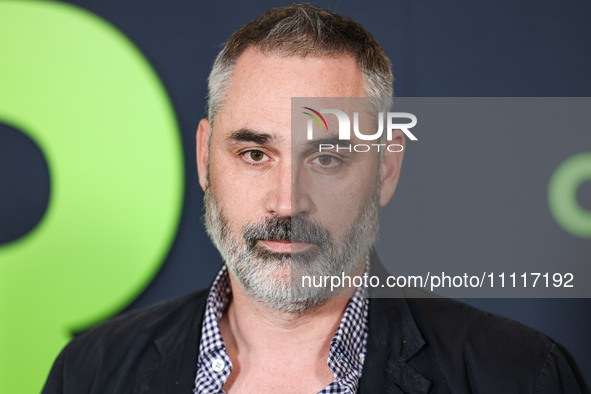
(316, 118)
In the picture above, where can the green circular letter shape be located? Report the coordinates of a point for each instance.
(85, 94)
(562, 195)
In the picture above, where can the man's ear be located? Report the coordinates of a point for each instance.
(202, 139)
(391, 163)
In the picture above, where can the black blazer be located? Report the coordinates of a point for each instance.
(415, 345)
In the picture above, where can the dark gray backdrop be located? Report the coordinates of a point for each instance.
(438, 48)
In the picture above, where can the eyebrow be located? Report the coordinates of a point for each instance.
(246, 135)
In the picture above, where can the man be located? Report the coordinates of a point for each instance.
(278, 210)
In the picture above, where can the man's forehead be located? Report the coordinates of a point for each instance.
(253, 60)
(262, 86)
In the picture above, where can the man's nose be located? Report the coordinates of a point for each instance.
(287, 196)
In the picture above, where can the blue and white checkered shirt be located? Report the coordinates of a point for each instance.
(345, 358)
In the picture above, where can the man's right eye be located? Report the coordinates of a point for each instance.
(254, 156)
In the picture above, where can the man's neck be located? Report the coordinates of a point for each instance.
(256, 327)
(260, 338)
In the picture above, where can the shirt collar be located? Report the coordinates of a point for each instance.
(347, 348)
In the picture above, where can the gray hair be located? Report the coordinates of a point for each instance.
(304, 30)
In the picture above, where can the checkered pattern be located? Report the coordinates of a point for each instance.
(211, 347)
(345, 358)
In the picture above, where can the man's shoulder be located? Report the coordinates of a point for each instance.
(456, 325)
(122, 352)
(146, 323)
(470, 350)
(454, 337)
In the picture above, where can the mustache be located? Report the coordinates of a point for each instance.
(287, 228)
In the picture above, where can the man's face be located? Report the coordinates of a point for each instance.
(273, 205)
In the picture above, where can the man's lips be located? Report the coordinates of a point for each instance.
(285, 246)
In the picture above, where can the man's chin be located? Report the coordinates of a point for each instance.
(289, 301)
(278, 286)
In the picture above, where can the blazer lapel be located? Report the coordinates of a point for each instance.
(393, 339)
(178, 349)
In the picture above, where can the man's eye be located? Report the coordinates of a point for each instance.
(327, 161)
(254, 156)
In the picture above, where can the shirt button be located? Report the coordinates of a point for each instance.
(218, 365)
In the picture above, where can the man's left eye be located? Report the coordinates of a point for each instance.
(327, 161)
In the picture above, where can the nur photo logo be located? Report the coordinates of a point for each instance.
(391, 120)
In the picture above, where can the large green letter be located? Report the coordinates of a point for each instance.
(97, 110)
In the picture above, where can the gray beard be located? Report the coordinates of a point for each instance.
(274, 279)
